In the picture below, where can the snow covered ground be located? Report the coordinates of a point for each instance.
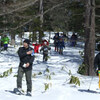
(59, 66)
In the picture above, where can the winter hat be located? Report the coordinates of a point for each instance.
(27, 41)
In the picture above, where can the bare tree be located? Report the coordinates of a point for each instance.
(90, 36)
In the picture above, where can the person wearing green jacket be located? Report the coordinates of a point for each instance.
(5, 41)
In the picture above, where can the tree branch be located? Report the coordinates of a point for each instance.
(52, 8)
(36, 16)
(17, 9)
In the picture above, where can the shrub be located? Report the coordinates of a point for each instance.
(6, 73)
(82, 69)
(74, 80)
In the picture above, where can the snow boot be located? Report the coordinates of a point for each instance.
(17, 91)
(28, 94)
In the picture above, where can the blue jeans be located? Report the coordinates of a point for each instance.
(5, 46)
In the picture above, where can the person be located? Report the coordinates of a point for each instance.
(97, 60)
(45, 49)
(26, 60)
(56, 40)
(61, 45)
(36, 47)
(5, 41)
(73, 39)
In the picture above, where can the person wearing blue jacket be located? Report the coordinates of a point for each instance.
(61, 45)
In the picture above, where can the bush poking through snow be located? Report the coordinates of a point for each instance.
(52, 73)
(74, 80)
(47, 70)
(15, 75)
(40, 73)
(48, 77)
(47, 86)
(82, 69)
(48, 74)
(34, 75)
(6, 73)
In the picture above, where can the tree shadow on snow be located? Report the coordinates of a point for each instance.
(13, 55)
(89, 91)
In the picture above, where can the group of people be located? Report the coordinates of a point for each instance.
(26, 61)
(59, 43)
(26, 55)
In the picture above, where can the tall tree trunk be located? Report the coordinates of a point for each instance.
(13, 39)
(34, 37)
(41, 19)
(20, 35)
(49, 36)
(90, 36)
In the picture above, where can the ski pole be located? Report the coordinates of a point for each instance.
(90, 83)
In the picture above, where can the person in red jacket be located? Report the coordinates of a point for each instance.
(36, 47)
(43, 42)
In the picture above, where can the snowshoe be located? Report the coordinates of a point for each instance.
(18, 91)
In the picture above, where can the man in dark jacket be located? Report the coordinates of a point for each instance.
(97, 60)
(45, 49)
(25, 66)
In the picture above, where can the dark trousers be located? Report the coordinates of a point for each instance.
(5, 46)
(28, 74)
(45, 57)
(61, 50)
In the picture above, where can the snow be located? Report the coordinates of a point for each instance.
(60, 88)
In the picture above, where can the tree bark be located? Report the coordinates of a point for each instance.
(13, 39)
(90, 36)
(41, 19)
